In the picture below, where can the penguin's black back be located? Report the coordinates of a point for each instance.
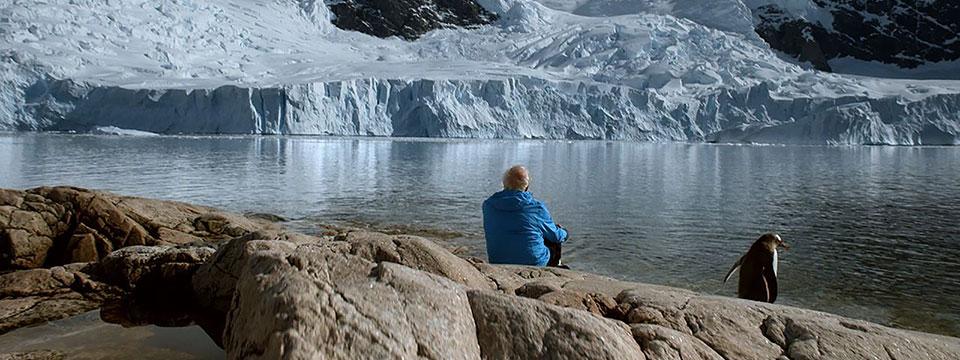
(754, 285)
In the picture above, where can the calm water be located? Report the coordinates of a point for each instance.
(874, 230)
(86, 337)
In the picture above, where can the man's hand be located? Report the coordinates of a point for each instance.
(559, 226)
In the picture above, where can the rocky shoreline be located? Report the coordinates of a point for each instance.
(261, 291)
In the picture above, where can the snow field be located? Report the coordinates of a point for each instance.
(656, 71)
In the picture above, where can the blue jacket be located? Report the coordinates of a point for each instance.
(515, 225)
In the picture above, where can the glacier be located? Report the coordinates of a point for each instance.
(556, 69)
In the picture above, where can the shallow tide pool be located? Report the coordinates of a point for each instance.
(87, 337)
(875, 230)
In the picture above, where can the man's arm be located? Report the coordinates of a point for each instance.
(551, 231)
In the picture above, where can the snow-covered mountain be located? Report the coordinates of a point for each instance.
(655, 70)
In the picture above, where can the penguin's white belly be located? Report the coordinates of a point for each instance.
(775, 262)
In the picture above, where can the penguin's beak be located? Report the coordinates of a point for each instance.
(784, 245)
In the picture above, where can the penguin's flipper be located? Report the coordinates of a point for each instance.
(770, 277)
(736, 266)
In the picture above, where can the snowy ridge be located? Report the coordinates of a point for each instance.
(254, 67)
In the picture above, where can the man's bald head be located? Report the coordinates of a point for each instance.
(516, 178)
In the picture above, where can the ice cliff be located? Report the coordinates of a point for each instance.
(654, 71)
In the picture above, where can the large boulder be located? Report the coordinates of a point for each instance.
(215, 281)
(317, 303)
(512, 327)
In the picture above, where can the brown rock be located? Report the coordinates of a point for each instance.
(175, 237)
(6, 211)
(274, 218)
(645, 315)
(11, 308)
(316, 303)
(82, 248)
(740, 329)
(536, 289)
(31, 222)
(157, 213)
(11, 197)
(660, 305)
(34, 355)
(62, 275)
(36, 295)
(511, 327)
(102, 215)
(228, 224)
(595, 303)
(156, 270)
(36, 309)
(215, 280)
(659, 342)
(136, 235)
(510, 278)
(33, 198)
(19, 249)
(125, 266)
(417, 253)
(33, 282)
(65, 194)
(599, 285)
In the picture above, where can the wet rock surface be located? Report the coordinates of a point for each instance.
(273, 293)
(33, 296)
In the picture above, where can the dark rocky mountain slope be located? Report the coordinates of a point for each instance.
(407, 18)
(906, 33)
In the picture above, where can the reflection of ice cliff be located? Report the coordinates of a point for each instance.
(535, 73)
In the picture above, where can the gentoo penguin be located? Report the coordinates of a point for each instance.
(758, 269)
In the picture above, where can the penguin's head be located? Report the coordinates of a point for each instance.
(773, 241)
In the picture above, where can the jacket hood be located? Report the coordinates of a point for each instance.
(510, 200)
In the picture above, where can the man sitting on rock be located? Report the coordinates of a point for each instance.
(518, 227)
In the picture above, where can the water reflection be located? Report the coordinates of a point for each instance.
(874, 228)
(87, 336)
